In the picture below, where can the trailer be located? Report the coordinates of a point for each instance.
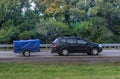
(26, 47)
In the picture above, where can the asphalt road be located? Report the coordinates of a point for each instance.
(46, 56)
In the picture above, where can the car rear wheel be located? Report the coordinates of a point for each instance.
(94, 51)
(26, 53)
(64, 52)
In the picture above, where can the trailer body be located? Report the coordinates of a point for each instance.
(20, 46)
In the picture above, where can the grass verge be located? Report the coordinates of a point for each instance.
(59, 71)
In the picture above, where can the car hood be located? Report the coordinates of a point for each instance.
(94, 44)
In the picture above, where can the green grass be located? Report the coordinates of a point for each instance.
(61, 71)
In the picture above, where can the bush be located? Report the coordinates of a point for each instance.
(7, 36)
(82, 29)
(27, 35)
(51, 30)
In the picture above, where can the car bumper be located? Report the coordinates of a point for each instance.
(100, 49)
(54, 50)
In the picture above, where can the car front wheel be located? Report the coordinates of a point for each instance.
(94, 51)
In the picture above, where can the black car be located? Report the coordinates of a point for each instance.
(65, 45)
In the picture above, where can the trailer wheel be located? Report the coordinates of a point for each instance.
(26, 53)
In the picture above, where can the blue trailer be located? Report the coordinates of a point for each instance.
(25, 47)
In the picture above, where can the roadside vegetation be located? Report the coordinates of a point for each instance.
(94, 20)
(59, 71)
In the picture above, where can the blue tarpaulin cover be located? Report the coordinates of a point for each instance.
(32, 45)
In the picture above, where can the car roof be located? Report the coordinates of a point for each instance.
(69, 37)
(73, 37)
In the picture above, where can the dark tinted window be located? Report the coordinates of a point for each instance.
(71, 41)
(63, 40)
(80, 41)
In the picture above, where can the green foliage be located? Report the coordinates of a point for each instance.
(83, 29)
(95, 20)
(26, 35)
(94, 11)
(116, 39)
(117, 29)
(7, 35)
(100, 33)
(51, 30)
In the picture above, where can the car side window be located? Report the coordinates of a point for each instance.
(80, 41)
(71, 41)
(63, 40)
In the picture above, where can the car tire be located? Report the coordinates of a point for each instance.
(64, 52)
(26, 53)
(94, 51)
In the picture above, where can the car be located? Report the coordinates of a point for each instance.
(71, 44)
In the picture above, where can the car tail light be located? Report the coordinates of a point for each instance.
(54, 45)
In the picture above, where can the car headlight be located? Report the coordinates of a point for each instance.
(100, 45)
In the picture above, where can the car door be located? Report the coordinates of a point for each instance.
(82, 45)
(71, 45)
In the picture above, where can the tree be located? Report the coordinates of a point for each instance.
(52, 18)
(83, 29)
(18, 15)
